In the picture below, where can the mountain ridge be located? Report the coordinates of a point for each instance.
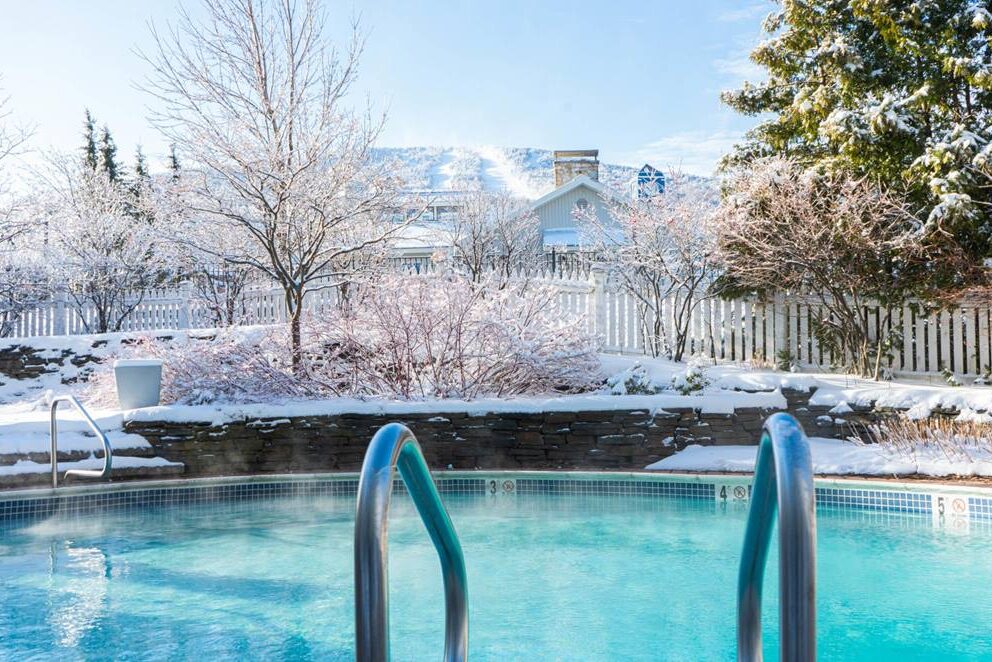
(525, 172)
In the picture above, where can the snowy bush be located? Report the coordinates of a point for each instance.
(443, 336)
(236, 365)
(635, 380)
(842, 241)
(692, 380)
(405, 337)
(661, 250)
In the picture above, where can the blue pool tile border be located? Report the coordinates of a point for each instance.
(877, 500)
(980, 508)
(613, 487)
(833, 495)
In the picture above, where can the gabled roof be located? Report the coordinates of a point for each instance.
(582, 180)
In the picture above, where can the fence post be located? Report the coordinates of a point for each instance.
(58, 314)
(781, 330)
(185, 305)
(599, 301)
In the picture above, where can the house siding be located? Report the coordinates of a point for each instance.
(557, 213)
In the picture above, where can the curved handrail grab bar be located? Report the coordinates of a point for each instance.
(392, 447)
(783, 479)
(108, 451)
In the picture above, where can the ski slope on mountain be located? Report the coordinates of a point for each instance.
(523, 172)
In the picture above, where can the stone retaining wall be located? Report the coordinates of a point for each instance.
(625, 439)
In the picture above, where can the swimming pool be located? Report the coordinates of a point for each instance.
(561, 566)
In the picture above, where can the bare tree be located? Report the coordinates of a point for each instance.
(662, 251)
(254, 98)
(842, 240)
(13, 139)
(23, 274)
(494, 234)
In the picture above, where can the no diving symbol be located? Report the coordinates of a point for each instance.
(959, 505)
(740, 492)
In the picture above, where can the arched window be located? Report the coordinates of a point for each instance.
(581, 204)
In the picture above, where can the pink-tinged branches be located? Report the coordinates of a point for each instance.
(444, 336)
(840, 239)
(403, 337)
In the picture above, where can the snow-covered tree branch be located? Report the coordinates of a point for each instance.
(840, 239)
(105, 257)
(494, 233)
(661, 250)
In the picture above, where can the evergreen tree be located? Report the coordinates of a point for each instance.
(174, 162)
(899, 90)
(140, 165)
(89, 136)
(108, 155)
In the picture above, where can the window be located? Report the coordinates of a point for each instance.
(581, 204)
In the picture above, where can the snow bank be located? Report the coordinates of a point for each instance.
(834, 457)
(120, 462)
(835, 391)
(26, 430)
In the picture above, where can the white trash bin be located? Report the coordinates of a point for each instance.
(139, 382)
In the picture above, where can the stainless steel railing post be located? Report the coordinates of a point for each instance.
(394, 447)
(783, 480)
(101, 435)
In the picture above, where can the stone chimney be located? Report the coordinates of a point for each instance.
(570, 163)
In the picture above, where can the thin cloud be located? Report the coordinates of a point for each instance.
(739, 66)
(748, 12)
(692, 152)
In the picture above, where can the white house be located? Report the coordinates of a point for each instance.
(577, 189)
(559, 212)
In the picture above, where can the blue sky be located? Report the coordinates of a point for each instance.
(638, 80)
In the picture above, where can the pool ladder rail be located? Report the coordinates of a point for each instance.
(108, 457)
(783, 481)
(783, 486)
(394, 447)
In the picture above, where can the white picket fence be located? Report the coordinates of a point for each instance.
(764, 331)
(741, 330)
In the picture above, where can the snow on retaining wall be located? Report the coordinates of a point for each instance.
(570, 432)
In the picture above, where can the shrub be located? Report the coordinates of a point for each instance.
(445, 337)
(964, 439)
(406, 337)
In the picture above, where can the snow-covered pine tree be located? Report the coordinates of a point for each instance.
(90, 153)
(140, 165)
(174, 166)
(108, 155)
(897, 89)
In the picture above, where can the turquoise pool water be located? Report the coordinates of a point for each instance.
(550, 578)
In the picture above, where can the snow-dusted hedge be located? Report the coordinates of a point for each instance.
(411, 338)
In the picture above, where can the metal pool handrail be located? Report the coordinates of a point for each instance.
(101, 435)
(392, 447)
(783, 478)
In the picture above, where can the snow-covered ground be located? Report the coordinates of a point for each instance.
(24, 414)
(834, 457)
(920, 398)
